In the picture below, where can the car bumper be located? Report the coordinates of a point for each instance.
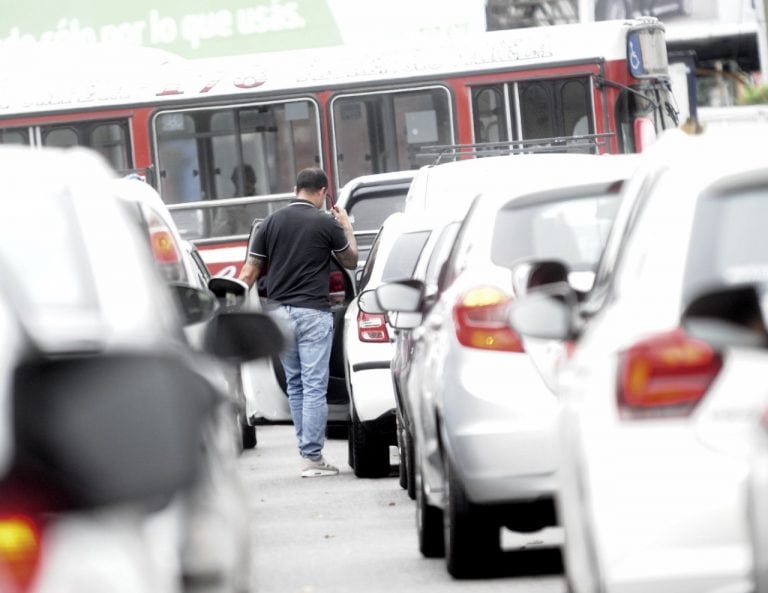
(666, 515)
(500, 423)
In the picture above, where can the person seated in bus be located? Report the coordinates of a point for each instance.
(237, 220)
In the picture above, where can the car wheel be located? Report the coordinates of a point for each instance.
(429, 523)
(472, 536)
(247, 432)
(369, 451)
(608, 10)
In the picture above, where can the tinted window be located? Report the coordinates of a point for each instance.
(370, 211)
(729, 242)
(402, 258)
(573, 231)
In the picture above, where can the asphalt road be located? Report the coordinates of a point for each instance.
(344, 534)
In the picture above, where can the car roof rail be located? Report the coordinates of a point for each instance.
(438, 152)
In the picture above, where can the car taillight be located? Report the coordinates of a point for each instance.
(164, 247)
(336, 281)
(480, 316)
(372, 327)
(665, 375)
(20, 550)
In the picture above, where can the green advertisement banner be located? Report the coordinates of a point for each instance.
(188, 28)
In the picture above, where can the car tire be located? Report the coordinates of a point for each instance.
(472, 536)
(248, 438)
(403, 469)
(370, 452)
(429, 523)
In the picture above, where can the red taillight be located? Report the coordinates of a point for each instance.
(164, 247)
(372, 327)
(480, 316)
(336, 281)
(20, 548)
(665, 375)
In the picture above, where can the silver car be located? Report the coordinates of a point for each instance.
(484, 417)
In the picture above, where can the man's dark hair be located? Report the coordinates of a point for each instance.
(312, 178)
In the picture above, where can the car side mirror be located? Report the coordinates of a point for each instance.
(546, 313)
(110, 429)
(239, 336)
(401, 296)
(728, 316)
(196, 305)
(367, 302)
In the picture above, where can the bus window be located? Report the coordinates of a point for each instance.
(61, 137)
(380, 132)
(14, 137)
(490, 114)
(202, 154)
(110, 140)
(555, 108)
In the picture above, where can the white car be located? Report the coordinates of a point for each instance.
(368, 346)
(116, 442)
(657, 421)
(484, 417)
(369, 200)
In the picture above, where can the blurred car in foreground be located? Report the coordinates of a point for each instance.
(658, 420)
(368, 348)
(484, 418)
(115, 439)
(179, 262)
(369, 200)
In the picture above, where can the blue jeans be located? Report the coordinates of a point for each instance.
(306, 361)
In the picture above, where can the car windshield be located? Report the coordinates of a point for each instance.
(573, 231)
(43, 228)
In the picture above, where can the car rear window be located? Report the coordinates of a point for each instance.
(403, 256)
(369, 209)
(729, 242)
(573, 231)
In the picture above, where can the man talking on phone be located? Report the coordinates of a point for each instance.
(297, 242)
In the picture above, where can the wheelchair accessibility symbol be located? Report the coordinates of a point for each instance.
(635, 56)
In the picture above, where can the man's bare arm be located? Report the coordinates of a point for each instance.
(348, 257)
(250, 271)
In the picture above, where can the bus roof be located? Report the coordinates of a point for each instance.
(55, 83)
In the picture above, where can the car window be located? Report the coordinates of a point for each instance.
(365, 274)
(573, 231)
(729, 243)
(451, 267)
(403, 256)
(440, 252)
(368, 211)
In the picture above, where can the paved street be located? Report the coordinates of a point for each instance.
(341, 533)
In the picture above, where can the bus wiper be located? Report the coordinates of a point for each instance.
(601, 81)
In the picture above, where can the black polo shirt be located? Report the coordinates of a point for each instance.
(297, 242)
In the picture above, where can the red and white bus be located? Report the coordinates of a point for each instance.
(202, 130)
